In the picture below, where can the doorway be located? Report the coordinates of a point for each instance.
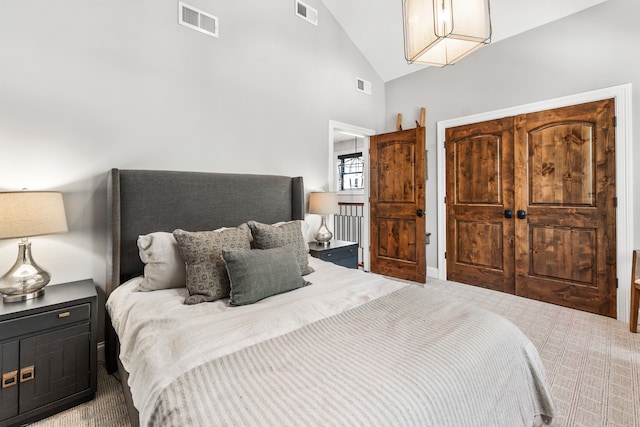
(531, 205)
(624, 214)
(349, 146)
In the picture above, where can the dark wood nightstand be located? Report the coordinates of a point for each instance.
(48, 352)
(338, 252)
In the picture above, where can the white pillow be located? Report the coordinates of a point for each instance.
(164, 267)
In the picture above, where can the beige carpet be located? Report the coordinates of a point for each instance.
(592, 363)
(106, 409)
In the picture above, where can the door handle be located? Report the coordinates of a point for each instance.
(508, 213)
(522, 214)
(420, 213)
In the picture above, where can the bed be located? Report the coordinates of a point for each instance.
(342, 347)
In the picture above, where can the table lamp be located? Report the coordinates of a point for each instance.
(24, 214)
(323, 204)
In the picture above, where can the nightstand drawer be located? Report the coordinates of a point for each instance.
(338, 254)
(50, 319)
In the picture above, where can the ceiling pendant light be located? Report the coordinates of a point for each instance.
(441, 32)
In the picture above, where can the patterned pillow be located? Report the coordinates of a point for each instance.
(267, 236)
(207, 278)
(163, 264)
(260, 273)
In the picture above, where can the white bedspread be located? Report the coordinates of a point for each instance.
(154, 323)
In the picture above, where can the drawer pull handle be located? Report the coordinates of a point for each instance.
(328, 254)
(65, 314)
(9, 379)
(26, 374)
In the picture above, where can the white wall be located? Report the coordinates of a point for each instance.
(593, 49)
(87, 86)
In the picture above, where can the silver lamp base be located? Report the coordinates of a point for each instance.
(25, 280)
(323, 235)
(23, 297)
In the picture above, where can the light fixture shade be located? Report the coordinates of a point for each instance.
(441, 32)
(25, 214)
(323, 203)
(31, 213)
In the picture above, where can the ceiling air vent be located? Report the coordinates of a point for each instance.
(363, 86)
(198, 20)
(306, 12)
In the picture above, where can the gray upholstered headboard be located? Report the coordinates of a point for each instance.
(144, 201)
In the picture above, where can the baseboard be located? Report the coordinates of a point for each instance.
(433, 272)
(101, 356)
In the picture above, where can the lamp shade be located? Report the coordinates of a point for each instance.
(323, 203)
(25, 214)
(31, 213)
(441, 32)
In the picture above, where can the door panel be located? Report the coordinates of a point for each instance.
(396, 181)
(479, 244)
(478, 164)
(561, 165)
(60, 360)
(395, 239)
(479, 190)
(563, 254)
(10, 366)
(396, 194)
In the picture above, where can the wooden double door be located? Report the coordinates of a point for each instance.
(531, 206)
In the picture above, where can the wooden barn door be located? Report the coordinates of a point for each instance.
(555, 193)
(397, 231)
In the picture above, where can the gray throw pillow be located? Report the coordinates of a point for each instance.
(267, 236)
(207, 278)
(260, 273)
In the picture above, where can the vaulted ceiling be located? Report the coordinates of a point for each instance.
(375, 26)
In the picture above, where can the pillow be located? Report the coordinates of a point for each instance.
(163, 264)
(261, 273)
(207, 278)
(267, 236)
(304, 228)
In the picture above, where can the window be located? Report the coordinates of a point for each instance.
(351, 171)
